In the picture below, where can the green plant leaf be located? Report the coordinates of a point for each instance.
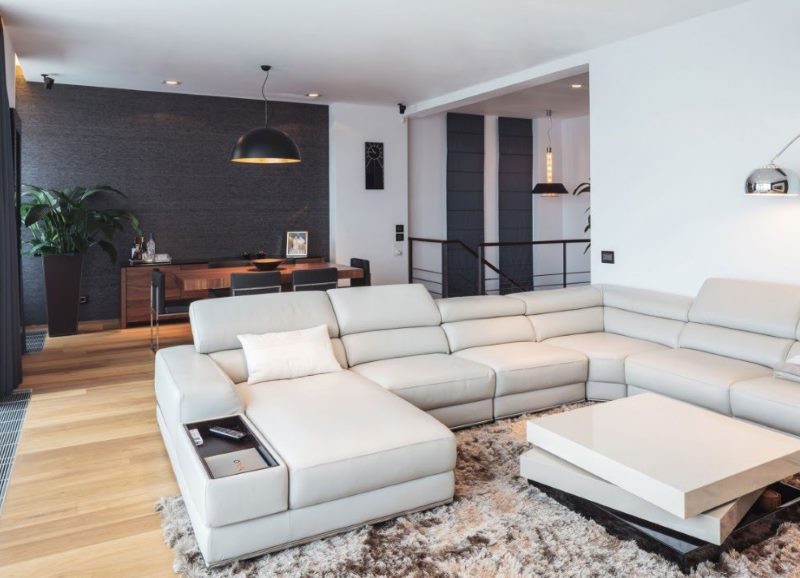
(63, 221)
(110, 250)
(582, 188)
(34, 213)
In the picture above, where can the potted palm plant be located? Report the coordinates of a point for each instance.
(63, 226)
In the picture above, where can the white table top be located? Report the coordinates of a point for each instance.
(677, 456)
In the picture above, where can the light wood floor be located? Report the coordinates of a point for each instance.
(90, 464)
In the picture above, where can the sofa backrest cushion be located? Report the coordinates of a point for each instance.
(750, 320)
(744, 345)
(387, 321)
(558, 312)
(556, 324)
(478, 307)
(392, 343)
(794, 350)
(551, 301)
(767, 308)
(217, 322)
(644, 314)
(380, 307)
(494, 331)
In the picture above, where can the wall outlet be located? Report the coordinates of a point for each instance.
(83, 300)
(607, 257)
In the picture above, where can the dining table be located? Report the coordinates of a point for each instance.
(220, 277)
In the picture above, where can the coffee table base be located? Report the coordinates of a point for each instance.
(686, 552)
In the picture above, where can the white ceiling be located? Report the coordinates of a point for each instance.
(558, 96)
(348, 50)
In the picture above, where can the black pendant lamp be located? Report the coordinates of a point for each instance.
(265, 145)
(549, 188)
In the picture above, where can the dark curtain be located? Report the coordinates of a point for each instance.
(10, 323)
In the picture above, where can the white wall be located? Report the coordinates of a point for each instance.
(575, 169)
(679, 118)
(363, 222)
(562, 217)
(427, 192)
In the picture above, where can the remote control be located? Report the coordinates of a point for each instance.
(226, 432)
(196, 437)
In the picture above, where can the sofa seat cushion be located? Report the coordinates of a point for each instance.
(769, 401)
(606, 352)
(528, 366)
(340, 435)
(432, 381)
(698, 377)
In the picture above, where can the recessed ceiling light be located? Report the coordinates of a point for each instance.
(171, 82)
(312, 94)
(577, 86)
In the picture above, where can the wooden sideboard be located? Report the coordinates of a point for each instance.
(134, 301)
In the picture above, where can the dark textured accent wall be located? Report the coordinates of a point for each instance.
(464, 199)
(170, 154)
(515, 181)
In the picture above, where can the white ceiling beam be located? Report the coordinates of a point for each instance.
(530, 77)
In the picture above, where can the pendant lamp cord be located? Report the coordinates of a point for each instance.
(264, 96)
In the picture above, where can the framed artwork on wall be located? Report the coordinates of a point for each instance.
(297, 244)
(373, 165)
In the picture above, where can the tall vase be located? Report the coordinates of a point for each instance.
(62, 284)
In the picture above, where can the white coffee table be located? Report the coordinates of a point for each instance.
(684, 459)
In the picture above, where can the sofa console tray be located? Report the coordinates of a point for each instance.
(215, 446)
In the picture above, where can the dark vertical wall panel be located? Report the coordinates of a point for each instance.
(10, 335)
(171, 154)
(515, 200)
(464, 199)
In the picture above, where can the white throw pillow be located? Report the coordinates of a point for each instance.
(289, 354)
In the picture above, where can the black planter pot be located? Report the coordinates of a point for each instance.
(62, 284)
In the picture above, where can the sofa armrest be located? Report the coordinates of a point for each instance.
(190, 386)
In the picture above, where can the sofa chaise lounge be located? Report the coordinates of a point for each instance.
(373, 441)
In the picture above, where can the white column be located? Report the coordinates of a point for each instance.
(491, 197)
(427, 194)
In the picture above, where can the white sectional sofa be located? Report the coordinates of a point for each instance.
(371, 441)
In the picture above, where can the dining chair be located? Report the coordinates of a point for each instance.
(315, 279)
(160, 308)
(362, 264)
(255, 283)
(221, 264)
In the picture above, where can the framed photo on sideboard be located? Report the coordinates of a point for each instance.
(297, 244)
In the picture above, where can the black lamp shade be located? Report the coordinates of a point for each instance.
(549, 189)
(266, 146)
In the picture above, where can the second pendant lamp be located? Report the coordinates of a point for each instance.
(548, 188)
(265, 145)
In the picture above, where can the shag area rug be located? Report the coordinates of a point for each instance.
(497, 525)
